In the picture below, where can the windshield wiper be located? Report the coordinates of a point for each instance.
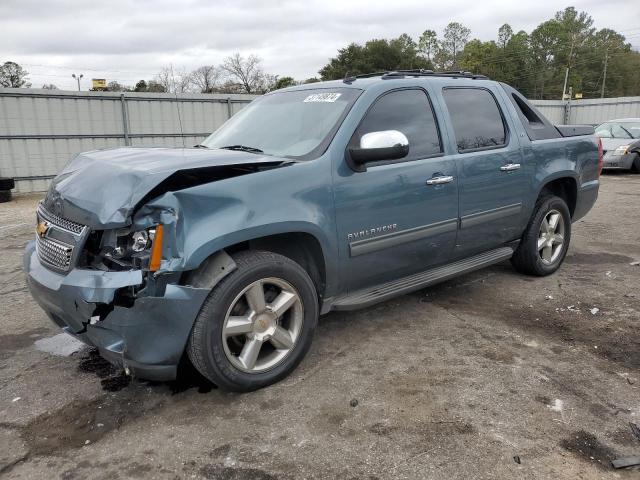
(626, 131)
(242, 148)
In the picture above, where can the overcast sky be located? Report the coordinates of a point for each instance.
(126, 40)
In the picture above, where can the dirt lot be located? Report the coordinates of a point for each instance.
(491, 375)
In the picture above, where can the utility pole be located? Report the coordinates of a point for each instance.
(77, 79)
(566, 73)
(604, 76)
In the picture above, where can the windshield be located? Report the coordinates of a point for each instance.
(299, 123)
(619, 130)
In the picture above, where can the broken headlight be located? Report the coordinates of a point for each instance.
(142, 240)
(131, 249)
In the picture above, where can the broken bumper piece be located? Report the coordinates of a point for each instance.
(147, 338)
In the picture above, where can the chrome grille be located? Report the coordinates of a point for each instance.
(62, 223)
(53, 253)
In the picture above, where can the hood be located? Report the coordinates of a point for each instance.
(102, 188)
(609, 144)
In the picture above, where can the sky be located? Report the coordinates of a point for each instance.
(127, 40)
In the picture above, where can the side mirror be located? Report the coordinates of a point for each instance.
(377, 146)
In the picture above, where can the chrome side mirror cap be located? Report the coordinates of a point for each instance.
(380, 146)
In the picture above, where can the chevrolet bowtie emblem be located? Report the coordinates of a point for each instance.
(42, 228)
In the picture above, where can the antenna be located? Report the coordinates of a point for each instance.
(175, 92)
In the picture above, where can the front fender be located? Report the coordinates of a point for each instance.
(205, 219)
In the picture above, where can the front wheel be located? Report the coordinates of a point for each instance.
(546, 239)
(257, 323)
(635, 166)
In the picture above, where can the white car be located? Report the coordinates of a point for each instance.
(621, 143)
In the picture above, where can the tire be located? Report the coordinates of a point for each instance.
(7, 183)
(225, 333)
(635, 166)
(531, 260)
(5, 196)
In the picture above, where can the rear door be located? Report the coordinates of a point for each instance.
(492, 180)
(393, 219)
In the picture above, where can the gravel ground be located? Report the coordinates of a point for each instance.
(491, 375)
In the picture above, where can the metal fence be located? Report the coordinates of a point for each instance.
(40, 130)
(589, 112)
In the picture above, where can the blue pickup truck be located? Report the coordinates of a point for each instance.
(330, 196)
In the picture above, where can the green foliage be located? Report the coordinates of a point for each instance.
(375, 55)
(534, 63)
(141, 86)
(284, 82)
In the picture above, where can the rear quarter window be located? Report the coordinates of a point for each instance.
(476, 118)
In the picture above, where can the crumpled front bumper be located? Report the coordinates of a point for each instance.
(148, 338)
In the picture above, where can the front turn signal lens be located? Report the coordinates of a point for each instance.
(156, 249)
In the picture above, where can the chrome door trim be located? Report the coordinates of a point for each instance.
(368, 245)
(490, 215)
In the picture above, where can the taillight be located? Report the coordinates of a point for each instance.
(600, 157)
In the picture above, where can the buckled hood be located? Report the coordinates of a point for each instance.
(102, 188)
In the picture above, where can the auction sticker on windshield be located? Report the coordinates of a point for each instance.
(322, 97)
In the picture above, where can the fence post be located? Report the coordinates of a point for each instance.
(229, 114)
(125, 120)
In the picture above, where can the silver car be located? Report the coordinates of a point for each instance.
(621, 143)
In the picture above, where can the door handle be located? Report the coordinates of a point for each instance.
(440, 180)
(510, 167)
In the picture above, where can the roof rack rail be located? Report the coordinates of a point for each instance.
(415, 73)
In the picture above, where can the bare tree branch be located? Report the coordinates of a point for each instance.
(206, 78)
(246, 71)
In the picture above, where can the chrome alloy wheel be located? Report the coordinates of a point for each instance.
(262, 325)
(551, 237)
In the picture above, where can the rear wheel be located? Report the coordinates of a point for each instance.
(546, 239)
(257, 324)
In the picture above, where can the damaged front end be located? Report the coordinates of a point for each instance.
(109, 270)
(112, 290)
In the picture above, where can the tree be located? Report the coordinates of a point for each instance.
(49, 86)
(428, 44)
(153, 86)
(13, 75)
(148, 86)
(600, 62)
(141, 86)
(376, 55)
(174, 81)
(505, 32)
(456, 37)
(544, 44)
(114, 86)
(311, 80)
(206, 78)
(245, 71)
(284, 82)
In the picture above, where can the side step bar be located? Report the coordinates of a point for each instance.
(372, 295)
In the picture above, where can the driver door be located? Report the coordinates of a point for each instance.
(398, 216)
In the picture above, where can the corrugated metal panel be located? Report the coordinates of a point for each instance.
(552, 109)
(41, 130)
(589, 112)
(66, 123)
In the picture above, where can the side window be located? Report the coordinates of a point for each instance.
(409, 112)
(476, 118)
